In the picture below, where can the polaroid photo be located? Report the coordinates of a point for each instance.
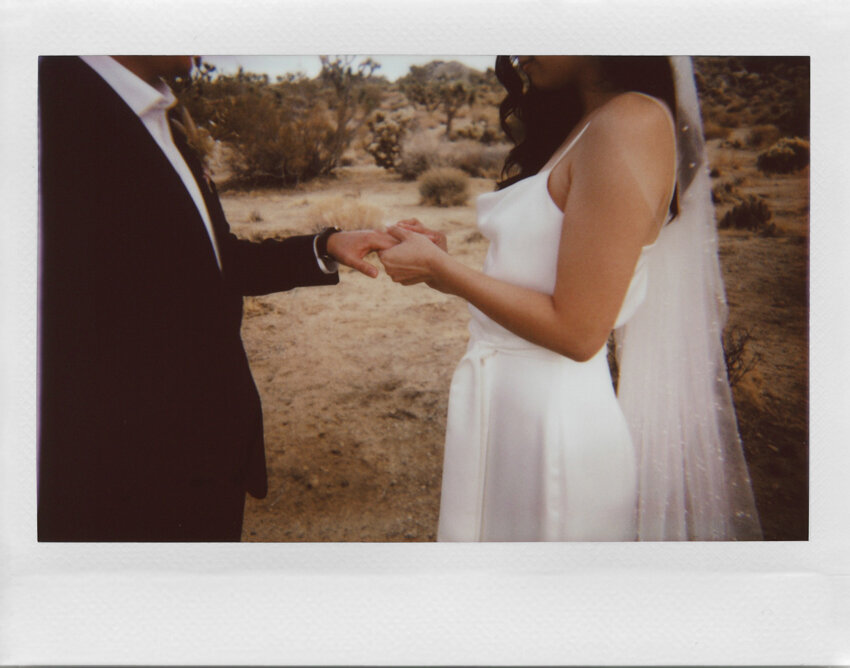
(373, 532)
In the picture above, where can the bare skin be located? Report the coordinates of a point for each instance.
(608, 217)
(350, 248)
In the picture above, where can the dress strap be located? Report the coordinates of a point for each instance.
(569, 146)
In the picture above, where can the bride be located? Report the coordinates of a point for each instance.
(604, 224)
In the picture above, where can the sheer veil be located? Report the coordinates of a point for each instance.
(673, 388)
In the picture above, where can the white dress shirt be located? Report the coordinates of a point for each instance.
(151, 106)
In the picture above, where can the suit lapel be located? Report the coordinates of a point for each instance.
(127, 136)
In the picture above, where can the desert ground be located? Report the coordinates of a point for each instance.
(354, 378)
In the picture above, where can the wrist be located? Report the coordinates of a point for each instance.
(440, 266)
(323, 244)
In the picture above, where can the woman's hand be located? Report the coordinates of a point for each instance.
(414, 225)
(416, 259)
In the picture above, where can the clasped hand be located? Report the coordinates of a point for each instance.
(417, 256)
(409, 251)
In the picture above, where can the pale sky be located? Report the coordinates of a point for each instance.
(392, 66)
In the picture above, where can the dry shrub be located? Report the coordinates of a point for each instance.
(787, 155)
(425, 151)
(475, 158)
(763, 135)
(724, 192)
(346, 214)
(419, 153)
(385, 135)
(739, 360)
(480, 132)
(751, 214)
(444, 186)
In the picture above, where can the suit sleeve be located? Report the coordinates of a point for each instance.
(259, 268)
(273, 265)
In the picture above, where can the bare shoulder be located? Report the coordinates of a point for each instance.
(634, 117)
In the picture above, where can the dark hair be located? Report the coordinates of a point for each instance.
(541, 120)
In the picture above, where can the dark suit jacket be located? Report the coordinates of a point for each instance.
(146, 396)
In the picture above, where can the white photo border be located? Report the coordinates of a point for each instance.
(561, 603)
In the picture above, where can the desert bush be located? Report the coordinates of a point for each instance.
(444, 186)
(751, 214)
(474, 158)
(386, 132)
(723, 192)
(344, 213)
(285, 132)
(418, 155)
(787, 155)
(478, 131)
(425, 151)
(762, 135)
(433, 87)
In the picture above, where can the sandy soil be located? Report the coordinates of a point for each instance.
(354, 378)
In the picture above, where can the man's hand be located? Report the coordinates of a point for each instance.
(349, 248)
(414, 225)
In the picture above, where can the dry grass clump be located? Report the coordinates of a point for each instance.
(444, 186)
(344, 213)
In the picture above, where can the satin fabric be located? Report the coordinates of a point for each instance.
(537, 448)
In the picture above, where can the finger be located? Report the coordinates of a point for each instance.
(400, 233)
(411, 225)
(363, 267)
(379, 241)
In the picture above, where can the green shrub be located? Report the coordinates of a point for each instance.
(751, 214)
(444, 186)
(787, 155)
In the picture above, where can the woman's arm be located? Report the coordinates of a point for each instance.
(610, 214)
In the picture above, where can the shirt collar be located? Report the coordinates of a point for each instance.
(140, 96)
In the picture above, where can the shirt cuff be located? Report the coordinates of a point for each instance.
(326, 267)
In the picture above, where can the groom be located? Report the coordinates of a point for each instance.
(150, 426)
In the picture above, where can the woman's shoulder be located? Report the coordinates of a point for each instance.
(633, 115)
(632, 124)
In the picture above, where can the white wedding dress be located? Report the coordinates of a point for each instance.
(537, 447)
